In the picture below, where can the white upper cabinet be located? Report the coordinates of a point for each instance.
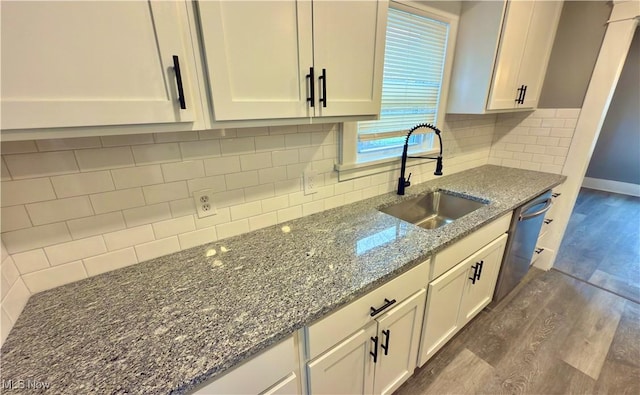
(292, 59)
(502, 53)
(88, 63)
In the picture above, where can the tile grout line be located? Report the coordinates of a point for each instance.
(596, 286)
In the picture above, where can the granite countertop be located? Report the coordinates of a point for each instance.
(166, 325)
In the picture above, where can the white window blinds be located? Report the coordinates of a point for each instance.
(413, 70)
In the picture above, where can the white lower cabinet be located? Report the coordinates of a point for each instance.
(458, 295)
(377, 358)
(274, 371)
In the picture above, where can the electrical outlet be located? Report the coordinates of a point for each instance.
(204, 203)
(309, 178)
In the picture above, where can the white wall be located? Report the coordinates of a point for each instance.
(75, 208)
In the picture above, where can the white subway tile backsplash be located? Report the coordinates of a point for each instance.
(157, 248)
(14, 218)
(95, 225)
(75, 250)
(165, 192)
(334, 201)
(9, 271)
(6, 324)
(231, 229)
(280, 130)
(222, 216)
(104, 158)
(242, 180)
(156, 153)
(122, 140)
(552, 123)
(172, 137)
(128, 237)
(568, 113)
(147, 214)
(263, 221)
(288, 186)
(219, 166)
(275, 203)
(283, 158)
(26, 191)
(110, 261)
(4, 287)
(228, 198)
(16, 299)
(18, 147)
(132, 177)
(31, 261)
(237, 146)
(35, 237)
(68, 144)
(269, 143)
(197, 237)
(82, 183)
(182, 207)
(201, 149)
(42, 164)
(117, 200)
(313, 207)
(297, 140)
(182, 170)
(561, 132)
(4, 175)
(172, 227)
(245, 210)
(272, 174)
(216, 183)
(288, 214)
(59, 210)
(298, 198)
(54, 276)
(259, 192)
(255, 161)
(217, 134)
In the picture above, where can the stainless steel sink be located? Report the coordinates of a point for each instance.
(433, 210)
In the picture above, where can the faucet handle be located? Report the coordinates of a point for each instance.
(407, 182)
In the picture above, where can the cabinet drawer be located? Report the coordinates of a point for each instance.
(264, 370)
(452, 255)
(332, 329)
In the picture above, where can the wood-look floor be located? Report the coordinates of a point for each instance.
(552, 335)
(602, 242)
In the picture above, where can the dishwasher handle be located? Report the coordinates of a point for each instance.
(548, 201)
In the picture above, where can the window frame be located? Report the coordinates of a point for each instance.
(347, 166)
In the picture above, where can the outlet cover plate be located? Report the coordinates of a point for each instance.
(204, 203)
(309, 178)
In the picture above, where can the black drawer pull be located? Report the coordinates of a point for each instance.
(474, 276)
(385, 346)
(386, 304)
(176, 69)
(539, 250)
(374, 353)
(548, 221)
(312, 88)
(480, 265)
(555, 194)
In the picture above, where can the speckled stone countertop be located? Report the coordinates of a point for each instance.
(166, 325)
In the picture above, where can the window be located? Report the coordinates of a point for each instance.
(418, 52)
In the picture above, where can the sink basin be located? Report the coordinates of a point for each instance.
(433, 210)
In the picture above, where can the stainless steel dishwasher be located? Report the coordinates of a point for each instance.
(523, 235)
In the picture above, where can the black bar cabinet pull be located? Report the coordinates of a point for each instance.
(555, 195)
(386, 304)
(323, 78)
(539, 250)
(385, 346)
(474, 277)
(520, 98)
(524, 94)
(312, 88)
(548, 221)
(480, 264)
(176, 69)
(374, 353)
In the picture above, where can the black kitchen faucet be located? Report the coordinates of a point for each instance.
(402, 183)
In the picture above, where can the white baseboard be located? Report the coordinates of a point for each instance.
(624, 188)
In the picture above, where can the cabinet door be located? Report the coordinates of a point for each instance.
(441, 314)
(515, 26)
(347, 368)
(92, 63)
(258, 54)
(542, 31)
(479, 294)
(348, 43)
(399, 334)
(287, 386)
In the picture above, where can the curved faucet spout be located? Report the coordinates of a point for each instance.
(402, 183)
